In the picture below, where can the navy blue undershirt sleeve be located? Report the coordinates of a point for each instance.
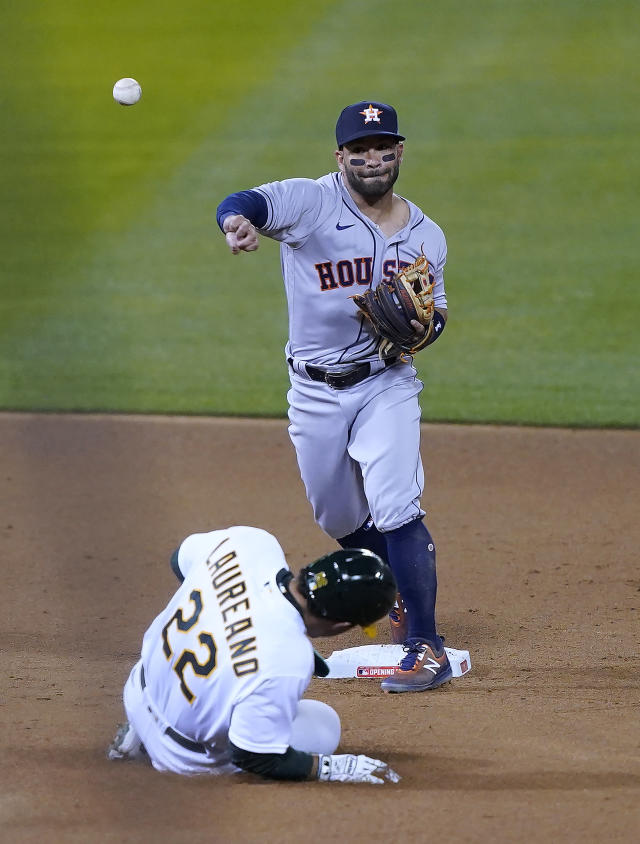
(439, 323)
(249, 203)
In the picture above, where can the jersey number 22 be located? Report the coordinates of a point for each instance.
(188, 657)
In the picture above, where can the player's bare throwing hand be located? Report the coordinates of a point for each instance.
(240, 233)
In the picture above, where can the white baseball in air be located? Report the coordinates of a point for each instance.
(127, 91)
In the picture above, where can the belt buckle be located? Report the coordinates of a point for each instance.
(350, 377)
(329, 380)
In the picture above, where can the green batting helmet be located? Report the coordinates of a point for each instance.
(352, 584)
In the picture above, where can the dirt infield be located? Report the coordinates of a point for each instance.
(538, 536)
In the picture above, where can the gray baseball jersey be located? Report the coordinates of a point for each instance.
(331, 251)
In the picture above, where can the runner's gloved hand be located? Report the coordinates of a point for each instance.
(348, 767)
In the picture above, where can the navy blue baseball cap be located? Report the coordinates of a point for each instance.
(366, 118)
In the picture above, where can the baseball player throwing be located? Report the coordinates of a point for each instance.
(224, 666)
(353, 403)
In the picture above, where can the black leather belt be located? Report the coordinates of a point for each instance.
(183, 741)
(347, 378)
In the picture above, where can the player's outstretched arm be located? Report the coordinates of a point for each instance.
(297, 765)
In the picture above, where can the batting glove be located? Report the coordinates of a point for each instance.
(348, 767)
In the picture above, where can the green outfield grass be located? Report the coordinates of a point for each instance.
(118, 292)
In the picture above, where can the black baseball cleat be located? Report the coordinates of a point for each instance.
(420, 670)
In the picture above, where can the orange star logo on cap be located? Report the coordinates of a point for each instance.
(371, 114)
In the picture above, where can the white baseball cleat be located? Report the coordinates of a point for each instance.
(126, 744)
